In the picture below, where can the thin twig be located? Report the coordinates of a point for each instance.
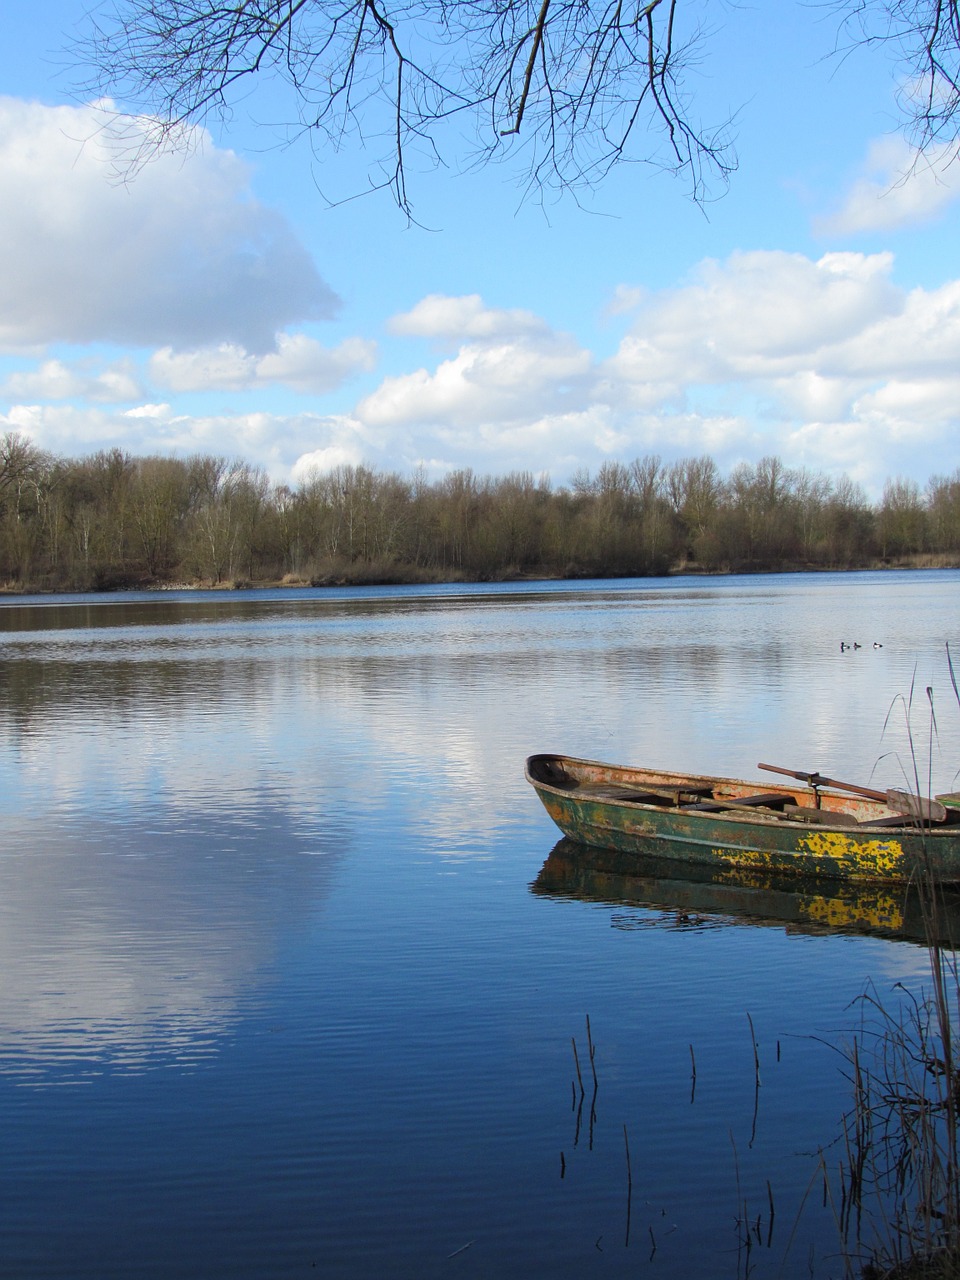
(576, 1061)
(593, 1050)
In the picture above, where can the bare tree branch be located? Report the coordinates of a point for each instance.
(923, 37)
(528, 76)
(571, 88)
(565, 90)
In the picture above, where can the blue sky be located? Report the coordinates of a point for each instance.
(214, 302)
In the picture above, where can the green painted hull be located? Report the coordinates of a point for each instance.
(586, 799)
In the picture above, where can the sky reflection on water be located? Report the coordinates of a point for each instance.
(278, 997)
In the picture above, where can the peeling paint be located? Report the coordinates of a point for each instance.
(861, 857)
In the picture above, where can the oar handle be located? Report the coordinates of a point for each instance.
(903, 802)
(788, 773)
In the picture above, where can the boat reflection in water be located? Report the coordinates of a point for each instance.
(698, 895)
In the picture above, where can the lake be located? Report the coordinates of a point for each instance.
(297, 979)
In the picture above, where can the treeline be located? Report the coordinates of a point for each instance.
(112, 520)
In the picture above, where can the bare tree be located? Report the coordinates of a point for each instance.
(23, 470)
(575, 87)
(567, 88)
(924, 39)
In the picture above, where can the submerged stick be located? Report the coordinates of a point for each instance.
(576, 1061)
(756, 1081)
(756, 1053)
(626, 1145)
(593, 1049)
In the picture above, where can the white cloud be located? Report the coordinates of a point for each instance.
(183, 255)
(462, 318)
(812, 396)
(302, 364)
(918, 338)
(299, 363)
(897, 187)
(626, 297)
(158, 411)
(338, 440)
(72, 431)
(908, 410)
(766, 352)
(327, 459)
(849, 443)
(270, 440)
(756, 314)
(56, 380)
(826, 363)
(504, 380)
(224, 367)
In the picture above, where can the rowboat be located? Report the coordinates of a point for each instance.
(812, 828)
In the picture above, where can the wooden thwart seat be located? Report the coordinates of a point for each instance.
(766, 799)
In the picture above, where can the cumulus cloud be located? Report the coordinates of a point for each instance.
(625, 297)
(758, 313)
(897, 187)
(493, 378)
(827, 363)
(273, 441)
(72, 430)
(56, 380)
(345, 453)
(766, 352)
(462, 318)
(298, 362)
(184, 255)
(918, 338)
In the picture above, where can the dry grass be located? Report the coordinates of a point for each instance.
(899, 1176)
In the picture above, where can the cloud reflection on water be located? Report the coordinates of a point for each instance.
(127, 946)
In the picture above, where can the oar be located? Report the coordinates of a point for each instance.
(900, 801)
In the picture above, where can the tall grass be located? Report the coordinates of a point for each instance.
(899, 1171)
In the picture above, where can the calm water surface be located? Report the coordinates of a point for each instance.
(292, 967)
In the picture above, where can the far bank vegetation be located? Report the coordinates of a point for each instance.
(112, 520)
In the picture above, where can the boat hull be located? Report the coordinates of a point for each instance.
(586, 800)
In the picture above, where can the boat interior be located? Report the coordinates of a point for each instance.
(808, 805)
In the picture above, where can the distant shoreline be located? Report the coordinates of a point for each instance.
(408, 575)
